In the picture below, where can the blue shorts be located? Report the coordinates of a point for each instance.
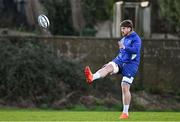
(127, 69)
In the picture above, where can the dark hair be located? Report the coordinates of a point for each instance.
(127, 23)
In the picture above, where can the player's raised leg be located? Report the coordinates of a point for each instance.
(109, 68)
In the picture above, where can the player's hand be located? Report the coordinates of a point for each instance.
(121, 46)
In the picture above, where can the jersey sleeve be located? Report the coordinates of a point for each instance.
(135, 47)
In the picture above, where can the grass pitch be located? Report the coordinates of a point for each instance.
(55, 115)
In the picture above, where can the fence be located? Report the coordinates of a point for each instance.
(160, 59)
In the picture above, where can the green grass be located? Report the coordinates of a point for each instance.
(56, 115)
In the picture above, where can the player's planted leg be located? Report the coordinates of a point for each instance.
(126, 98)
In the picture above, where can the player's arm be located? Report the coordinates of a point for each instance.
(134, 48)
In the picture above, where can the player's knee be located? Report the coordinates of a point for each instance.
(109, 68)
(125, 87)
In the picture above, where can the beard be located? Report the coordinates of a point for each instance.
(123, 34)
(126, 33)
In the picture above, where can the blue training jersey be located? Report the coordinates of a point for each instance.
(131, 53)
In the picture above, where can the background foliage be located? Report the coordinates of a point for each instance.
(61, 18)
(59, 12)
(164, 17)
(95, 11)
(30, 70)
(170, 10)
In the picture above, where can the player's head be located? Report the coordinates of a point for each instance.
(126, 27)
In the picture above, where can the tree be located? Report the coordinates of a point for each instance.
(77, 15)
(59, 13)
(170, 10)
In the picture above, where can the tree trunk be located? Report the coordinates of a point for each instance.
(77, 15)
(33, 9)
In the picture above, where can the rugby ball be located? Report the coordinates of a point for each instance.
(43, 21)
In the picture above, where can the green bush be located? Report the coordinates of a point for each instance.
(88, 31)
(30, 70)
(95, 10)
(60, 15)
(169, 9)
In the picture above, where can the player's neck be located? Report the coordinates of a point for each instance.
(128, 33)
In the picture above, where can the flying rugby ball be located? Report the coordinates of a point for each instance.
(43, 21)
